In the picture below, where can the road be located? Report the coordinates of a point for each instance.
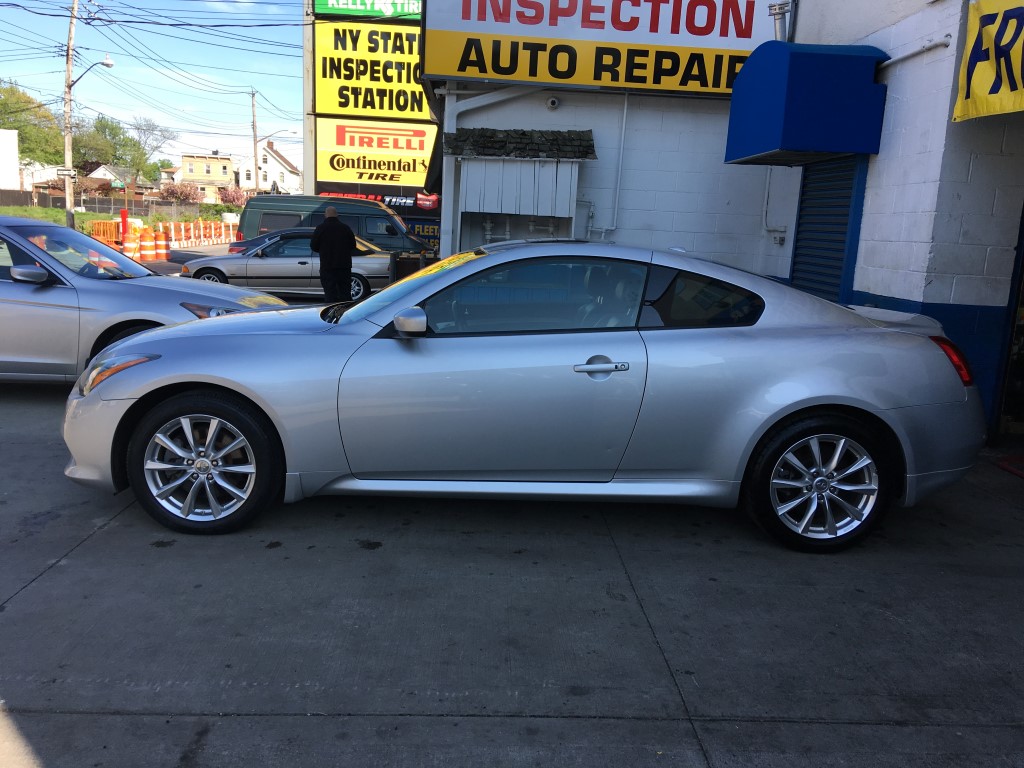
(402, 632)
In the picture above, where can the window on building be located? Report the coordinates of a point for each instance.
(223, 170)
(248, 175)
(264, 160)
(191, 167)
(280, 178)
(208, 169)
(264, 176)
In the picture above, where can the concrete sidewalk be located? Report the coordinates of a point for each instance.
(407, 632)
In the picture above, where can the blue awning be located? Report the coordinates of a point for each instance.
(794, 104)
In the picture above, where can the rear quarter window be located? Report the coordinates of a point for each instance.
(271, 222)
(677, 299)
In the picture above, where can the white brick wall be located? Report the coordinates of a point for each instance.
(675, 189)
(942, 207)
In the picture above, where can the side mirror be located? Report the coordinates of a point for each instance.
(411, 322)
(29, 273)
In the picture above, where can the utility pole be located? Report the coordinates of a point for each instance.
(69, 182)
(255, 142)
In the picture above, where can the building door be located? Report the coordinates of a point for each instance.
(1011, 412)
(828, 227)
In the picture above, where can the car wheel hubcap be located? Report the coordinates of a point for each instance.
(209, 278)
(199, 467)
(824, 486)
(357, 290)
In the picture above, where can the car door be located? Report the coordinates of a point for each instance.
(39, 323)
(514, 381)
(284, 265)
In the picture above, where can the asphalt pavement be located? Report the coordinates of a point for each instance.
(354, 631)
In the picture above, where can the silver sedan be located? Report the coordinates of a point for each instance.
(544, 370)
(286, 265)
(65, 296)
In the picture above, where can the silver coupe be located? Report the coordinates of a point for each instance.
(545, 370)
(65, 296)
(285, 264)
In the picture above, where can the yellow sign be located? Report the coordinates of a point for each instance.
(369, 152)
(991, 72)
(582, 63)
(664, 45)
(369, 70)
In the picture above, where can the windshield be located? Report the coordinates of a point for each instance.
(342, 314)
(80, 253)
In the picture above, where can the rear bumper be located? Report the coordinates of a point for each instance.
(941, 443)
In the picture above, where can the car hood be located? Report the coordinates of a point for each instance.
(287, 320)
(190, 290)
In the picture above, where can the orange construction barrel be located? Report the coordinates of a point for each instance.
(130, 243)
(147, 245)
(163, 249)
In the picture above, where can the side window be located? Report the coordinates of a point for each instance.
(677, 299)
(352, 221)
(10, 256)
(537, 295)
(378, 225)
(288, 248)
(271, 222)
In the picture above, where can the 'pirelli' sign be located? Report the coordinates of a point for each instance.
(665, 45)
(370, 152)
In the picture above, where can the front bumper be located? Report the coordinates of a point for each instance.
(90, 425)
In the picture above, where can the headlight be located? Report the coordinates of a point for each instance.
(204, 310)
(98, 372)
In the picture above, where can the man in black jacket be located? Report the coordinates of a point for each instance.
(335, 242)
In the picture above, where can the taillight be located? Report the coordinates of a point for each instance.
(238, 233)
(956, 357)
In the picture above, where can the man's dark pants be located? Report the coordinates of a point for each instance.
(337, 284)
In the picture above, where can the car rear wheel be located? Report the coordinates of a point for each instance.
(211, 276)
(819, 484)
(360, 288)
(204, 463)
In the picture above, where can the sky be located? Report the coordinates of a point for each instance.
(189, 65)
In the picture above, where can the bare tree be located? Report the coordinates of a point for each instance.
(150, 138)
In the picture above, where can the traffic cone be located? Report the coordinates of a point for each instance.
(163, 250)
(147, 245)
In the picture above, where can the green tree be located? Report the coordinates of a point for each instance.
(39, 133)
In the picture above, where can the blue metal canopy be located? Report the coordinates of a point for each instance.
(794, 104)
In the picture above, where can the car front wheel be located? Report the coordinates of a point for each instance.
(210, 276)
(819, 484)
(360, 288)
(204, 463)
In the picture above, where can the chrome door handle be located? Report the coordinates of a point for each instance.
(601, 367)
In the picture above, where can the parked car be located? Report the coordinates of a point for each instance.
(241, 246)
(285, 264)
(546, 370)
(369, 219)
(65, 296)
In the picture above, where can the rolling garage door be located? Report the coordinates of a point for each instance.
(828, 226)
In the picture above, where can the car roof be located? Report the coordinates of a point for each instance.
(18, 220)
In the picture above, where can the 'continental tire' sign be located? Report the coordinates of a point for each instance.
(367, 70)
(369, 152)
(666, 45)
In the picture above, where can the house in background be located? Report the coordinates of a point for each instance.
(274, 173)
(120, 177)
(208, 172)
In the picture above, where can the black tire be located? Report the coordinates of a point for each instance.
(131, 330)
(360, 288)
(819, 484)
(210, 276)
(197, 489)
